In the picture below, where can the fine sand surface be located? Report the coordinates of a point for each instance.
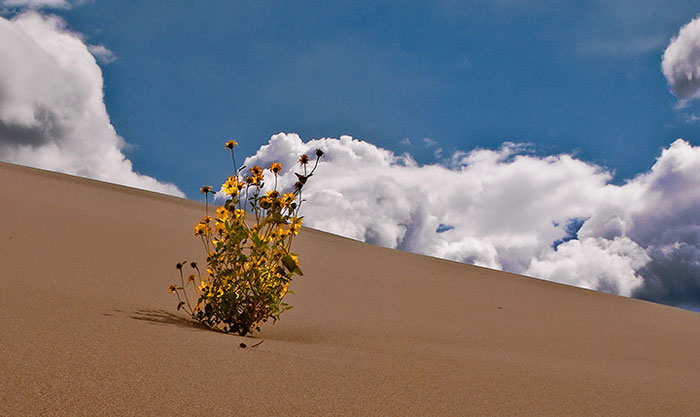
(87, 326)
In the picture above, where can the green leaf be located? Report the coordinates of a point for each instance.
(291, 264)
(277, 218)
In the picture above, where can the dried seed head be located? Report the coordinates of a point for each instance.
(302, 178)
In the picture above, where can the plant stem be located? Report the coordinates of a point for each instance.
(184, 290)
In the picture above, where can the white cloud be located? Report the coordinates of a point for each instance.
(692, 118)
(632, 45)
(429, 143)
(511, 210)
(52, 112)
(594, 263)
(681, 62)
(102, 54)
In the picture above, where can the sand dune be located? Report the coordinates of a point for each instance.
(88, 328)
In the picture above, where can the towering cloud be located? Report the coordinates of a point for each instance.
(52, 112)
(553, 217)
(681, 62)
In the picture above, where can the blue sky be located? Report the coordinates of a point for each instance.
(556, 140)
(577, 78)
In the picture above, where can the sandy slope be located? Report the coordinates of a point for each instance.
(88, 328)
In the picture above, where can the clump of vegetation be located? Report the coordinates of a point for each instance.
(249, 264)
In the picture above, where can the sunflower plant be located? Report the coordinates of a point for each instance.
(249, 263)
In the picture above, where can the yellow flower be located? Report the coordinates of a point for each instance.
(190, 278)
(276, 167)
(205, 189)
(280, 232)
(172, 288)
(223, 212)
(230, 144)
(287, 199)
(239, 214)
(220, 228)
(231, 186)
(206, 219)
(283, 291)
(257, 173)
(304, 159)
(201, 229)
(296, 225)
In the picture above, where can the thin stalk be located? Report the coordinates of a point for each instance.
(179, 300)
(233, 158)
(199, 277)
(184, 290)
(206, 246)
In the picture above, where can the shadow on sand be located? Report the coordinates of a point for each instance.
(164, 317)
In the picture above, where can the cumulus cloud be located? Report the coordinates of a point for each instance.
(594, 263)
(52, 112)
(553, 217)
(681, 62)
